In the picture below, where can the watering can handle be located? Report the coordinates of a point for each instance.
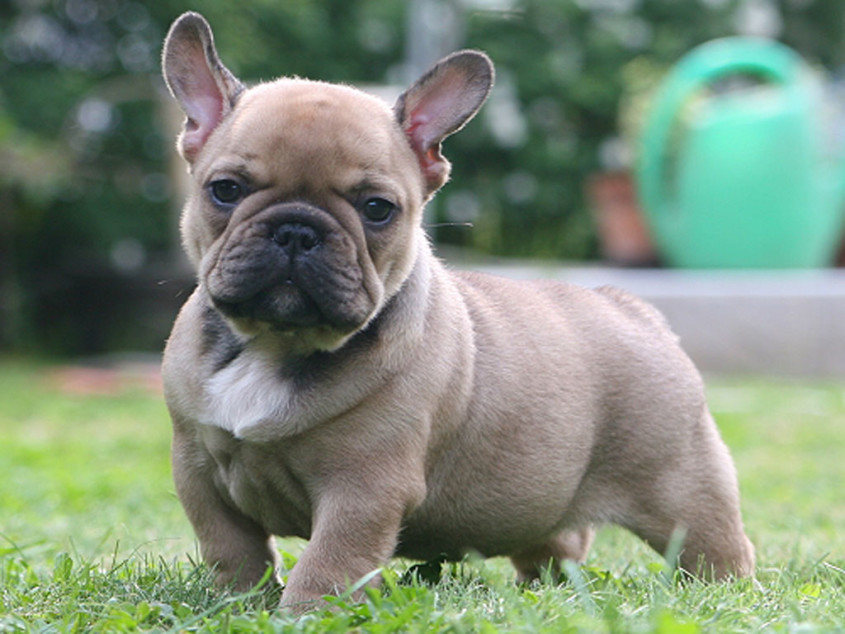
(703, 65)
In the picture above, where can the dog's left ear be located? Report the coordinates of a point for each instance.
(439, 104)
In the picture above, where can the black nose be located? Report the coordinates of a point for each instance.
(296, 237)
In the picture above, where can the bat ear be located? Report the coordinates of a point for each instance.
(440, 103)
(204, 88)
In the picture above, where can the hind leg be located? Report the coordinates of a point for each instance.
(712, 548)
(570, 544)
(698, 495)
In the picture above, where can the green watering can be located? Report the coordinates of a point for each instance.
(742, 179)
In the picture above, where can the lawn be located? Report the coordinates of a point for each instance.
(92, 536)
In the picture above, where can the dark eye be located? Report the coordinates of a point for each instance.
(226, 192)
(378, 210)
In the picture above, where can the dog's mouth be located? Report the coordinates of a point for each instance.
(284, 307)
(290, 272)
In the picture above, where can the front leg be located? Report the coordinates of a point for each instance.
(355, 533)
(239, 550)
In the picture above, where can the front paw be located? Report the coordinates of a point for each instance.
(299, 598)
(299, 603)
(265, 582)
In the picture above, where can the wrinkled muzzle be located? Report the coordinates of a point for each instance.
(289, 266)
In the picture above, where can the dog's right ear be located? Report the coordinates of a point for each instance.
(205, 89)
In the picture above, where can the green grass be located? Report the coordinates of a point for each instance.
(92, 537)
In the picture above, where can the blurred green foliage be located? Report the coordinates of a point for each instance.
(87, 198)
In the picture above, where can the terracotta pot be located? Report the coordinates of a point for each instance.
(624, 238)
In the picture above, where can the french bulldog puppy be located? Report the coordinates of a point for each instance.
(331, 379)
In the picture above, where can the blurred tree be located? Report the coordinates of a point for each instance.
(87, 206)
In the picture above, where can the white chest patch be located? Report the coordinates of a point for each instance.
(249, 398)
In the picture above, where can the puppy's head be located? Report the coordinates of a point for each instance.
(304, 214)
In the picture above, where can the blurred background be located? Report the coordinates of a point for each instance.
(90, 260)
